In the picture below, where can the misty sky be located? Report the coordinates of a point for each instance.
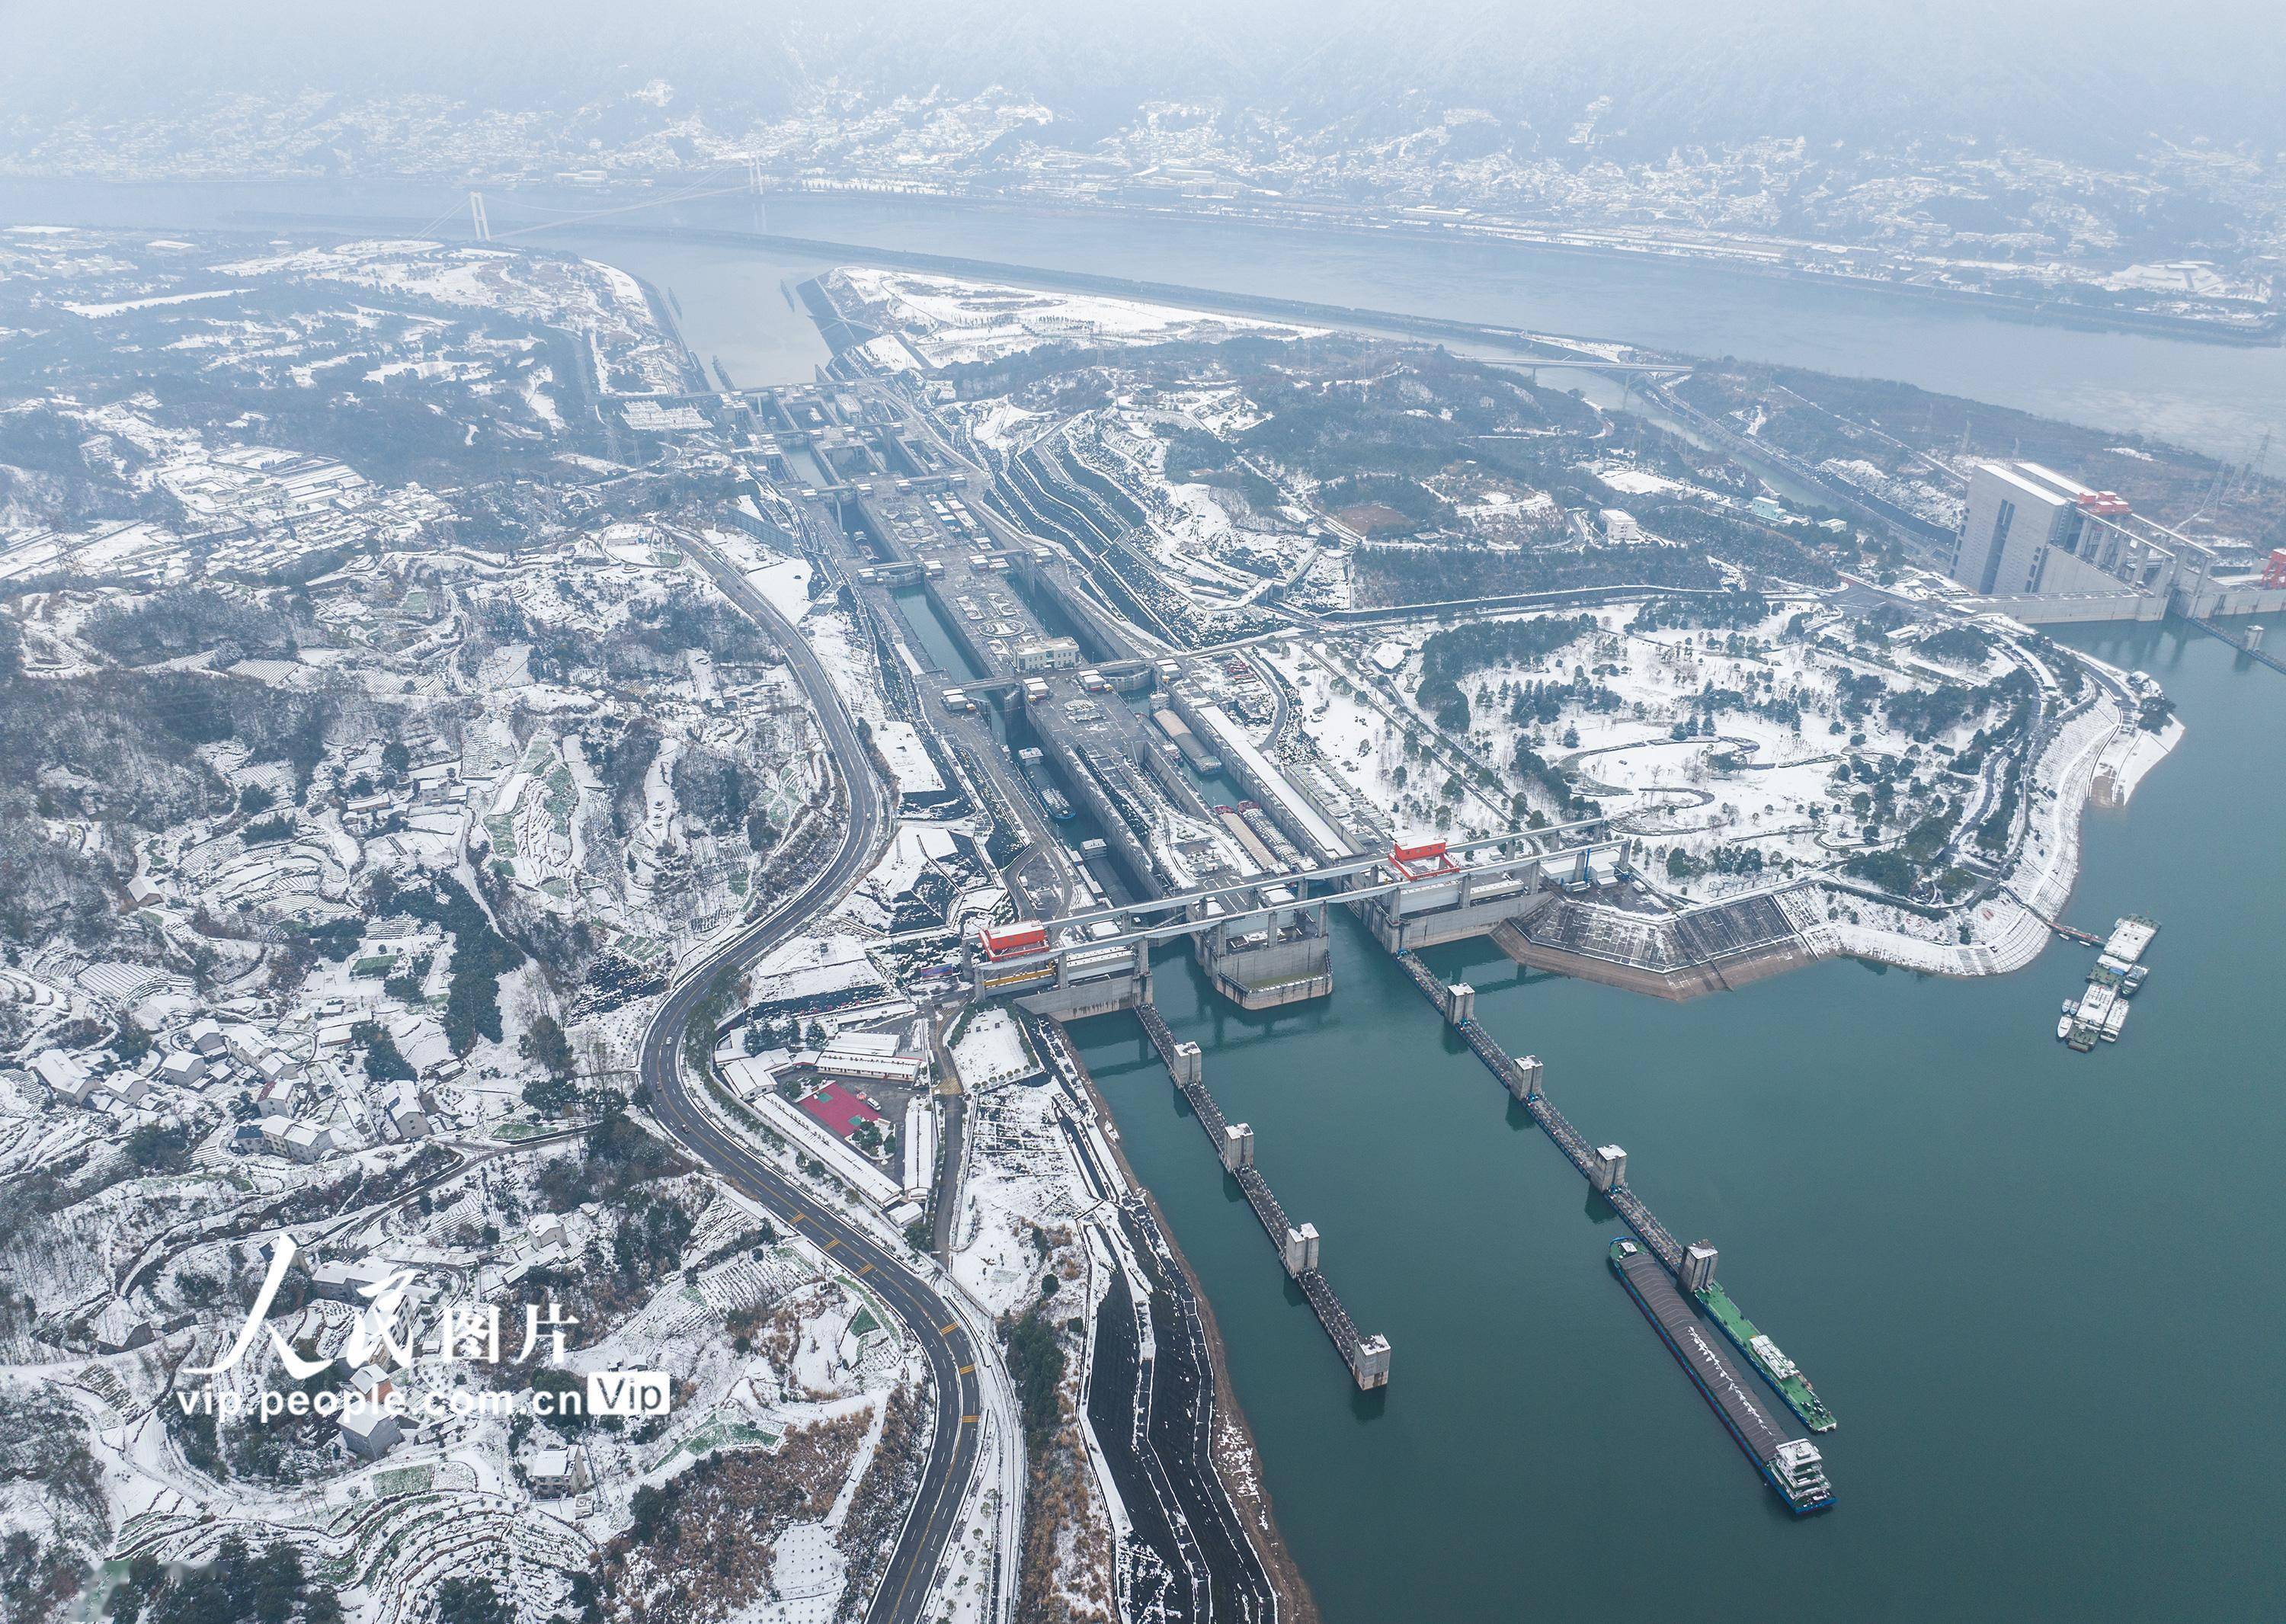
(2078, 75)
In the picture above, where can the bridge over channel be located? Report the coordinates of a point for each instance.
(1262, 937)
(1368, 1357)
(2252, 649)
(1603, 1166)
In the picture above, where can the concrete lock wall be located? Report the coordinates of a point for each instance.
(1074, 994)
(1270, 973)
(1399, 923)
(1082, 999)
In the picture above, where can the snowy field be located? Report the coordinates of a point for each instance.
(947, 322)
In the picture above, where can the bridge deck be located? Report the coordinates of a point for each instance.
(2264, 655)
(1568, 1139)
(1322, 1298)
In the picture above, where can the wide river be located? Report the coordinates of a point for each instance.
(2221, 398)
(2040, 1289)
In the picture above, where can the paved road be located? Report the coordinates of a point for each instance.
(1281, 717)
(955, 1442)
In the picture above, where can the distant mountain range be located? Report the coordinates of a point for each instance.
(2090, 82)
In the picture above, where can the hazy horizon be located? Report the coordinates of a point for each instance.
(2086, 83)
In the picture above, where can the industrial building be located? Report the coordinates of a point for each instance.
(1047, 654)
(869, 1057)
(2044, 549)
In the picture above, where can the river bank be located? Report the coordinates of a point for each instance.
(1237, 1458)
(2215, 398)
(2009, 928)
(1776, 260)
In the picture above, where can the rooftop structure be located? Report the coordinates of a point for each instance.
(869, 1055)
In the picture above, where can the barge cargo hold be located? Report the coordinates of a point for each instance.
(1789, 1465)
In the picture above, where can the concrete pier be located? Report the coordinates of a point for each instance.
(1610, 1167)
(1279, 957)
(1604, 1169)
(1301, 1250)
(1473, 901)
(1237, 1146)
(1698, 1271)
(1368, 1357)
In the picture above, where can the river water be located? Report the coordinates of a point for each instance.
(2038, 1288)
(2219, 399)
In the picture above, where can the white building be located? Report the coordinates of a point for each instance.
(372, 1383)
(369, 1433)
(1047, 654)
(297, 1141)
(869, 1057)
(555, 1471)
(66, 1078)
(183, 1068)
(402, 1105)
(126, 1087)
(919, 1147)
(2041, 546)
(340, 1281)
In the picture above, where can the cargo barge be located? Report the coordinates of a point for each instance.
(1772, 1365)
(1789, 1464)
(1052, 800)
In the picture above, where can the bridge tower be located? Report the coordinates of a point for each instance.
(1698, 1271)
(1237, 1145)
(1301, 1250)
(1460, 1004)
(1609, 1170)
(478, 219)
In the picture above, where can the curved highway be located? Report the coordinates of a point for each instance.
(954, 1443)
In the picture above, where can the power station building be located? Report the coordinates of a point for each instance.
(2041, 546)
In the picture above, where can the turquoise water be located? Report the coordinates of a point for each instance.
(933, 636)
(2038, 1288)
